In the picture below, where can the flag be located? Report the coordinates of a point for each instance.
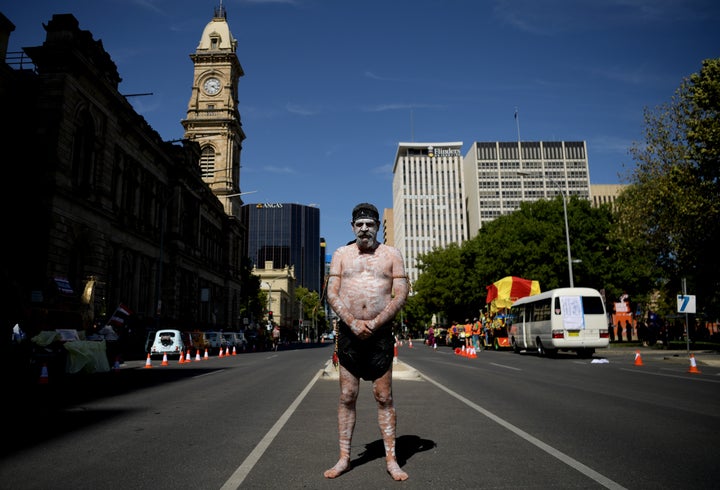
(120, 315)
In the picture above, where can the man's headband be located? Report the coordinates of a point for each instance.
(365, 211)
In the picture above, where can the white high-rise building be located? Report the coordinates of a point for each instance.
(498, 177)
(428, 199)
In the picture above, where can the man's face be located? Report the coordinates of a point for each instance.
(366, 231)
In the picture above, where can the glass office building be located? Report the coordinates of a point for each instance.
(286, 235)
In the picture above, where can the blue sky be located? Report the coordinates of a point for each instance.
(332, 86)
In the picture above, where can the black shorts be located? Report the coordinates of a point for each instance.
(367, 359)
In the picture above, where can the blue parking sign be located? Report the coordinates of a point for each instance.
(685, 303)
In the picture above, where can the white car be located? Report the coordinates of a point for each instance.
(167, 342)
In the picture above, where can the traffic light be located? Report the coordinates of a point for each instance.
(270, 317)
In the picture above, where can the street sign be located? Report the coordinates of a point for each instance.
(686, 303)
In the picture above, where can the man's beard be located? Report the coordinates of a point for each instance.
(366, 241)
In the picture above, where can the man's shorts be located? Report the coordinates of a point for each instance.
(367, 359)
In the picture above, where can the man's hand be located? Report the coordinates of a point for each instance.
(361, 329)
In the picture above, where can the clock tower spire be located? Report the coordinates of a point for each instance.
(213, 118)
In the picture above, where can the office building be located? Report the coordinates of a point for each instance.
(428, 199)
(285, 235)
(498, 177)
(605, 194)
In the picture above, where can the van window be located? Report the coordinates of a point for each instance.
(592, 305)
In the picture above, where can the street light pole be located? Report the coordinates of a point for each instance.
(567, 228)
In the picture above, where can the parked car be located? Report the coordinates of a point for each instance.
(167, 342)
(199, 341)
(236, 340)
(216, 340)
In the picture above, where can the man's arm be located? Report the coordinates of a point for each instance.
(400, 290)
(333, 289)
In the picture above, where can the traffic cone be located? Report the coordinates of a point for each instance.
(181, 358)
(148, 362)
(187, 356)
(206, 356)
(395, 356)
(410, 343)
(43, 379)
(197, 355)
(693, 365)
(234, 352)
(165, 359)
(227, 351)
(638, 358)
(473, 354)
(220, 353)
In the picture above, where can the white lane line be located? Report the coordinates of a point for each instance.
(505, 366)
(573, 463)
(241, 473)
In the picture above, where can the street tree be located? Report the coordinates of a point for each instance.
(672, 207)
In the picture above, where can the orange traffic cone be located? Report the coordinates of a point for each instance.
(165, 360)
(693, 365)
(187, 356)
(148, 362)
(181, 358)
(43, 379)
(220, 353)
(227, 351)
(638, 358)
(234, 352)
(206, 356)
(410, 343)
(473, 354)
(197, 355)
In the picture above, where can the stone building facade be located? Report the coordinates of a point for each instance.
(95, 200)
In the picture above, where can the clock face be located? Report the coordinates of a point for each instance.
(212, 86)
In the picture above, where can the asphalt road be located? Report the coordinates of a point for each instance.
(268, 420)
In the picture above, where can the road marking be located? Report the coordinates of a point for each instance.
(506, 366)
(573, 463)
(241, 473)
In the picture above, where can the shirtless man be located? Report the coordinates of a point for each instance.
(366, 288)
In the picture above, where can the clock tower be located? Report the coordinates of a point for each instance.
(213, 119)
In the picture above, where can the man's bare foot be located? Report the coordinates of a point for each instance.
(397, 474)
(340, 467)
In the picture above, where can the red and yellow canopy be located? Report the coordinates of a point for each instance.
(503, 293)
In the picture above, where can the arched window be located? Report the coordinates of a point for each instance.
(207, 162)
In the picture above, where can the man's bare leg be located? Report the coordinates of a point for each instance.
(349, 388)
(387, 420)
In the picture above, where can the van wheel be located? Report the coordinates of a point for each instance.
(542, 351)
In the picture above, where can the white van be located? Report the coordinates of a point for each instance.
(168, 342)
(565, 319)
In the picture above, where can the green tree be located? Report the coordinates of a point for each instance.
(529, 243)
(311, 308)
(672, 207)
